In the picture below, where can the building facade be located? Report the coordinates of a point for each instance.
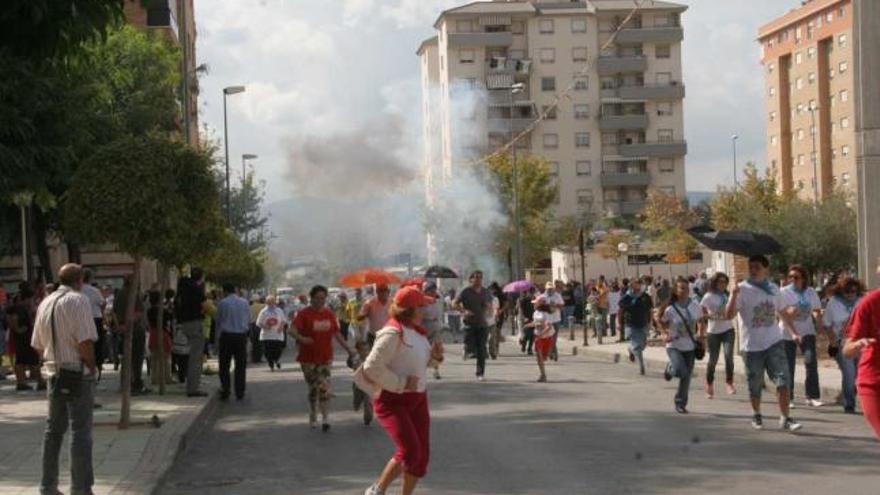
(808, 60)
(618, 127)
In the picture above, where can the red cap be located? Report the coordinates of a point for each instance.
(411, 297)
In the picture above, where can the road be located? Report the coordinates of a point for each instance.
(596, 428)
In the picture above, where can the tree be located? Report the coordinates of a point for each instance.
(230, 262)
(249, 222)
(609, 247)
(751, 204)
(162, 204)
(667, 218)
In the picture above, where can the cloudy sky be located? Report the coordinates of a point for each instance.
(321, 73)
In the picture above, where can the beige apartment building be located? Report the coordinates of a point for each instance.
(808, 58)
(617, 133)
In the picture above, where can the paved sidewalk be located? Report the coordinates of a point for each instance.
(126, 462)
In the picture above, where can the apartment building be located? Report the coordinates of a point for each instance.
(617, 133)
(808, 56)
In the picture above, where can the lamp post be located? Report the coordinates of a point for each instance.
(23, 200)
(244, 158)
(734, 139)
(518, 269)
(229, 90)
(813, 156)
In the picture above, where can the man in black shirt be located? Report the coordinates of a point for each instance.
(189, 307)
(526, 310)
(475, 302)
(636, 309)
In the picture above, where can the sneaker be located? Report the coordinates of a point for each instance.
(437, 374)
(681, 410)
(757, 422)
(374, 490)
(815, 403)
(632, 357)
(789, 424)
(667, 375)
(710, 391)
(791, 405)
(849, 410)
(278, 366)
(481, 378)
(313, 420)
(325, 427)
(731, 389)
(542, 379)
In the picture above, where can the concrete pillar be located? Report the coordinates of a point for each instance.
(866, 31)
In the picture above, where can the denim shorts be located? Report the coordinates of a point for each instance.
(772, 360)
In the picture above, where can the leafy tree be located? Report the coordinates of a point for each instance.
(162, 205)
(249, 221)
(609, 247)
(667, 218)
(230, 262)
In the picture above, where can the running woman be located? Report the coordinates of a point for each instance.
(847, 293)
(720, 330)
(801, 303)
(679, 323)
(544, 331)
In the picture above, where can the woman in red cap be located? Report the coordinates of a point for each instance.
(397, 369)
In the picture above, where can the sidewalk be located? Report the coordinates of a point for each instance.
(656, 360)
(126, 462)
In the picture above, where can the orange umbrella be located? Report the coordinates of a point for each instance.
(368, 276)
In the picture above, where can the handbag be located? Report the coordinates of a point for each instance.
(699, 348)
(66, 383)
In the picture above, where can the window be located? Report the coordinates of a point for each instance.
(772, 91)
(518, 27)
(811, 78)
(800, 108)
(844, 123)
(548, 84)
(664, 108)
(584, 167)
(551, 141)
(799, 83)
(581, 83)
(811, 52)
(466, 56)
(798, 58)
(578, 25)
(844, 151)
(579, 54)
(663, 78)
(665, 135)
(549, 111)
(666, 165)
(662, 51)
(670, 190)
(800, 160)
(831, 73)
(554, 168)
(845, 178)
(581, 111)
(841, 12)
(548, 55)
(772, 116)
(546, 26)
(611, 195)
(831, 101)
(517, 54)
(841, 41)
(771, 67)
(833, 154)
(464, 26)
(773, 140)
(585, 198)
(829, 17)
(582, 139)
(843, 67)
(844, 95)
(662, 20)
(800, 134)
(812, 105)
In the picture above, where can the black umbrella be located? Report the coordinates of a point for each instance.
(438, 271)
(741, 242)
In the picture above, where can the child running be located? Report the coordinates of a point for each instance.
(544, 331)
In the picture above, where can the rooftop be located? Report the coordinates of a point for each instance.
(555, 7)
(810, 8)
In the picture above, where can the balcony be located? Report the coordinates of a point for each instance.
(162, 14)
(623, 122)
(648, 92)
(623, 179)
(504, 38)
(502, 98)
(625, 207)
(670, 34)
(516, 67)
(654, 149)
(503, 125)
(609, 66)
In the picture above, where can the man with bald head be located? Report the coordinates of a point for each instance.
(65, 335)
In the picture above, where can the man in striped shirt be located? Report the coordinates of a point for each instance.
(67, 314)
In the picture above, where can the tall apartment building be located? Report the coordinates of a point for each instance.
(808, 58)
(619, 132)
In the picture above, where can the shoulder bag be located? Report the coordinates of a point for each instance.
(66, 383)
(699, 348)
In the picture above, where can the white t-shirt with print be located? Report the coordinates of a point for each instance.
(715, 305)
(271, 322)
(805, 304)
(758, 317)
(543, 325)
(554, 301)
(837, 316)
(681, 339)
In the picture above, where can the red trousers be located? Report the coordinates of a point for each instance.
(870, 398)
(406, 419)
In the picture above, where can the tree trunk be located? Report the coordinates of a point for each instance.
(133, 294)
(38, 233)
(160, 346)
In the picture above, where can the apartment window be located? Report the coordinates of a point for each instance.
(662, 20)
(584, 167)
(800, 108)
(844, 151)
(548, 84)
(811, 78)
(516, 54)
(578, 25)
(800, 134)
(549, 112)
(772, 91)
(664, 108)
(833, 154)
(798, 58)
(609, 139)
(843, 67)
(799, 83)
(579, 54)
(466, 56)
(844, 123)
(773, 140)
(829, 17)
(581, 111)
(800, 160)
(841, 41)
(464, 26)
(582, 139)
(831, 101)
(554, 168)
(771, 68)
(812, 105)
(585, 198)
(546, 26)
(845, 178)
(663, 78)
(844, 95)
(831, 73)
(665, 135)
(662, 51)
(811, 52)
(670, 190)
(581, 83)
(548, 55)
(841, 12)
(772, 116)
(551, 141)
(518, 27)
(666, 165)
(611, 195)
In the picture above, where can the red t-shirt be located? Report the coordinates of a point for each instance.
(865, 323)
(320, 325)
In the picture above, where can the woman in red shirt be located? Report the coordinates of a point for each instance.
(863, 332)
(314, 328)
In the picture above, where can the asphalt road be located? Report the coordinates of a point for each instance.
(596, 428)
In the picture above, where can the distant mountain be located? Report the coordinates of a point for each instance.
(697, 197)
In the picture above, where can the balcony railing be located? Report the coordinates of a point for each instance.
(504, 38)
(623, 122)
(162, 14)
(672, 91)
(671, 34)
(501, 125)
(624, 179)
(613, 65)
(502, 98)
(665, 149)
(625, 207)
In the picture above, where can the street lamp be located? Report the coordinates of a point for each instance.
(244, 158)
(814, 157)
(229, 90)
(512, 90)
(23, 200)
(734, 139)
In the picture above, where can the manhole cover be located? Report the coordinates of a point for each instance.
(212, 483)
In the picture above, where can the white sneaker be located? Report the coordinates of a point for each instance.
(789, 424)
(791, 405)
(374, 490)
(481, 378)
(815, 403)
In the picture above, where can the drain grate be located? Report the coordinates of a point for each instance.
(210, 483)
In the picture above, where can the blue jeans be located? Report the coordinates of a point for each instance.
(681, 364)
(715, 342)
(848, 372)
(77, 412)
(475, 340)
(771, 361)
(638, 340)
(811, 365)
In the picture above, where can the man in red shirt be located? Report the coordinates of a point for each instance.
(863, 333)
(315, 328)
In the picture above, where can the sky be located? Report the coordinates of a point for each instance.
(325, 74)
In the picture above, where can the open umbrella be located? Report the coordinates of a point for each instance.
(518, 286)
(416, 282)
(368, 276)
(741, 242)
(439, 271)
